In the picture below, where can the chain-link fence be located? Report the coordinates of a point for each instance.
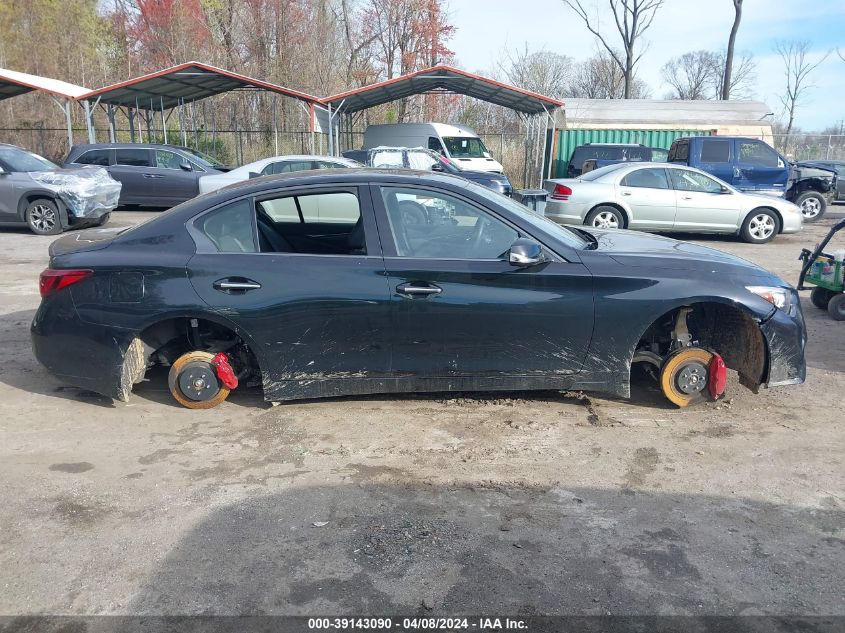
(811, 146)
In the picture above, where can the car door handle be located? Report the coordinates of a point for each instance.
(418, 290)
(153, 176)
(626, 193)
(686, 197)
(237, 285)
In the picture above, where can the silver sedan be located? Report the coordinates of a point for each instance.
(660, 197)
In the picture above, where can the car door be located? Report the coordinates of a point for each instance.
(716, 157)
(131, 169)
(173, 182)
(459, 307)
(650, 197)
(10, 185)
(759, 168)
(311, 315)
(702, 203)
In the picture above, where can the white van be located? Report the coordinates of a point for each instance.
(457, 142)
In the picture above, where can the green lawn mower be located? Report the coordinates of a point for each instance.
(825, 271)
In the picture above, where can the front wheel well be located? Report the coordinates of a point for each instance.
(722, 328)
(626, 220)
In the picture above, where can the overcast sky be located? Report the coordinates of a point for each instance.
(484, 27)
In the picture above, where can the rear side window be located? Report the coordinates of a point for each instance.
(94, 157)
(336, 207)
(715, 151)
(132, 157)
(230, 228)
(647, 178)
(324, 164)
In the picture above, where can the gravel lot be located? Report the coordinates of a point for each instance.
(435, 505)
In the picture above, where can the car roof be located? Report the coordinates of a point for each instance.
(87, 146)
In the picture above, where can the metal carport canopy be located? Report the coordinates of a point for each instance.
(445, 79)
(182, 84)
(14, 83)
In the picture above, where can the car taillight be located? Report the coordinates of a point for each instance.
(561, 192)
(52, 281)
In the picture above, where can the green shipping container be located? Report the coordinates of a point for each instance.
(567, 140)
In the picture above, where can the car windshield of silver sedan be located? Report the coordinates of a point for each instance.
(18, 160)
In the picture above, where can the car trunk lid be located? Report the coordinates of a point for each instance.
(88, 240)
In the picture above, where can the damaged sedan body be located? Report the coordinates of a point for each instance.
(48, 199)
(332, 283)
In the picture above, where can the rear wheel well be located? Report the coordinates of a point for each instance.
(626, 220)
(167, 340)
(722, 328)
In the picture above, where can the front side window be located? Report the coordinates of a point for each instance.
(465, 147)
(133, 157)
(715, 151)
(435, 144)
(168, 160)
(684, 180)
(757, 153)
(94, 157)
(431, 224)
(647, 178)
(230, 228)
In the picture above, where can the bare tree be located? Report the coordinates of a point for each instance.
(691, 74)
(540, 71)
(727, 76)
(797, 69)
(632, 18)
(743, 77)
(599, 77)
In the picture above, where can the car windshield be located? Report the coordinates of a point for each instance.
(601, 171)
(20, 160)
(465, 147)
(448, 164)
(203, 159)
(561, 233)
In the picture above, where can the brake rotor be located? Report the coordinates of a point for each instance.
(194, 383)
(684, 376)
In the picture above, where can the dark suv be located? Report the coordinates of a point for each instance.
(152, 175)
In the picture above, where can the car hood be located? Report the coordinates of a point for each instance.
(471, 174)
(632, 248)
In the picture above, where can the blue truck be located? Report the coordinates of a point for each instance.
(754, 166)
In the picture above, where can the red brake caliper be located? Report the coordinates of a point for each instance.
(224, 371)
(717, 376)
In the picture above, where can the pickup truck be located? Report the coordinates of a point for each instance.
(755, 167)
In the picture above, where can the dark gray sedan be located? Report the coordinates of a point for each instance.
(343, 282)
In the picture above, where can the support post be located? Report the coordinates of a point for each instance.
(89, 123)
(110, 116)
(275, 127)
(69, 123)
(130, 116)
(163, 121)
(331, 144)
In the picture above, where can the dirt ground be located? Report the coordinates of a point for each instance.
(435, 505)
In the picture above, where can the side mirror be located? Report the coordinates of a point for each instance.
(254, 174)
(487, 155)
(525, 252)
(186, 166)
(437, 167)
(724, 189)
(3, 172)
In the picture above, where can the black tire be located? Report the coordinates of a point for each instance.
(760, 226)
(605, 217)
(836, 307)
(820, 297)
(42, 217)
(812, 204)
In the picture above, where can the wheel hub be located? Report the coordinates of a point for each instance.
(692, 378)
(43, 217)
(198, 381)
(810, 207)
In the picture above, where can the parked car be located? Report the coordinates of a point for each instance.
(273, 165)
(663, 197)
(485, 295)
(48, 199)
(659, 154)
(457, 142)
(602, 154)
(835, 165)
(152, 175)
(752, 166)
(426, 159)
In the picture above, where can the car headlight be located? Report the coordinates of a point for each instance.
(779, 297)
